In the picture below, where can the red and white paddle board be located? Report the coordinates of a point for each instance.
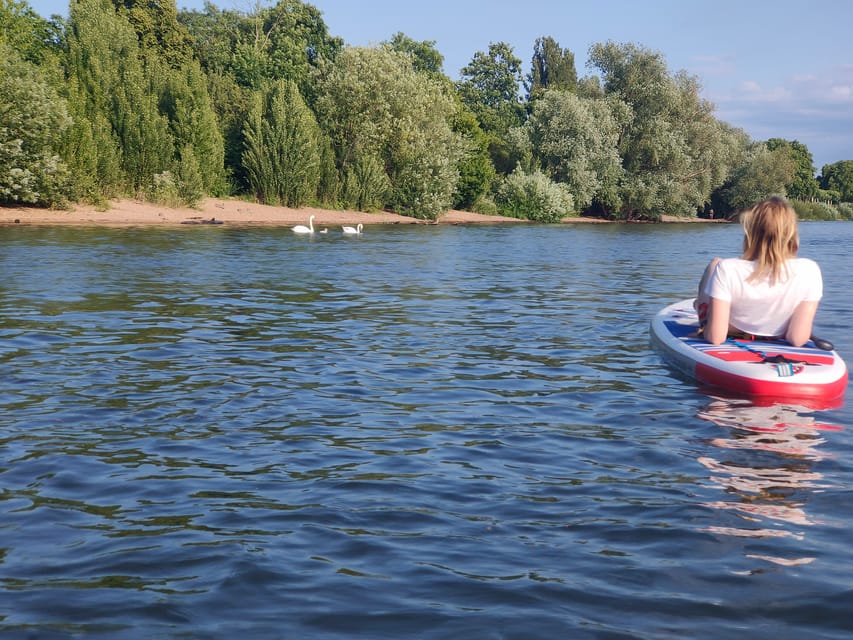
(747, 367)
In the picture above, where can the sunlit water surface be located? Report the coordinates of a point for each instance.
(431, 432)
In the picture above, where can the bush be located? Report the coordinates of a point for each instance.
(190, 181)
(814, 210)
(533, 196)
(164, 190)
(282, 153)
(365, 183)
(32, 116)
(845, 210)
(485, 205)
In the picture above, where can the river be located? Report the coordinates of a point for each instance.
(419, 432)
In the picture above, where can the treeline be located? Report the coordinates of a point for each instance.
(132, 98)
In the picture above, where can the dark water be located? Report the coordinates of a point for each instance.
(431, 432)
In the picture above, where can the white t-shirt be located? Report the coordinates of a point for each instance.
(757, 307)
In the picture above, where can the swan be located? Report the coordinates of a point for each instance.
(353, 230)
(324, 230)
(301, 228)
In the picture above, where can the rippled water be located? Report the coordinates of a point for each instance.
(431, 432)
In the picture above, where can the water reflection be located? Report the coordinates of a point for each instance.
(765, 467)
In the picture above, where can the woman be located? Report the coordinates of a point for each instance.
(768, 291)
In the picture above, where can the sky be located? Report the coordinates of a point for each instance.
(775, 68)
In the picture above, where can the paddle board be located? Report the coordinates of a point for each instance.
(747, 367)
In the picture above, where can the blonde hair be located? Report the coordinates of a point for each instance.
(770, 238)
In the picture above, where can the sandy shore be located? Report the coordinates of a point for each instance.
(237, 212)
(219, 211)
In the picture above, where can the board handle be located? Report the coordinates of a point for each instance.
(822, 344)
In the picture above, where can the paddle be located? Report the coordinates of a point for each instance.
(822, 344)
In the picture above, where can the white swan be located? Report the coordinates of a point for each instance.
(324, 230)
(301, 228)
(353, 230)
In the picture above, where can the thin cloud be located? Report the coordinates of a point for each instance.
(752, 91)
(712, 65)
(814, 109)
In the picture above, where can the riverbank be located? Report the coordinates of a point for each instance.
(238, 212)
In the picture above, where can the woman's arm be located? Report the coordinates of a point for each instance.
(800, 326)
(717, 329)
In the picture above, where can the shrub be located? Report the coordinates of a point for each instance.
(814, 210)
(32, 116)
(486, 205)
(164, 190)
(845, 210)
(533, 196)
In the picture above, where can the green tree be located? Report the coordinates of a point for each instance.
(146, 143)
(425, 57)
(762, 173)
(231, 103)
(194, 126)
(803, 185)
(552, 68)
(241, 51)
(32, 117)
(390, 128)
(90, 149)
(365, 185)
(329, 186)
(116, 93)
(191, 179)
(156, 25)
(674, 152)
(476, 171)
(33, 38)
(282, 153)
(214, 33)
(285, 41)
(576, 141)
(489, 87)
(838, 177)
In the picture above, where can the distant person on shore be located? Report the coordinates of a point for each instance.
(768, 291)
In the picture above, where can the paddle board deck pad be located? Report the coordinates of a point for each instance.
(747, 367)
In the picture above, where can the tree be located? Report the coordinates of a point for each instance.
(803, 185)
(156, 25)
(285, 41)
(576, 141)
(552, 68)
(241, 51)
(838, 177)
(476, 171)
(194, 126)
(763, 173)
(390, 128)
(282, 153)
(32, 117)
(115, 92)
(489, 88)
(33, 38)
(90, 150)
(674, 152)
(425, 57)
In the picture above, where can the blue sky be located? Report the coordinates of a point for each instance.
(775, 68)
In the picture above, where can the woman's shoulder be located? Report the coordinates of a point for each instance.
(805, 264)
(737, 264)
